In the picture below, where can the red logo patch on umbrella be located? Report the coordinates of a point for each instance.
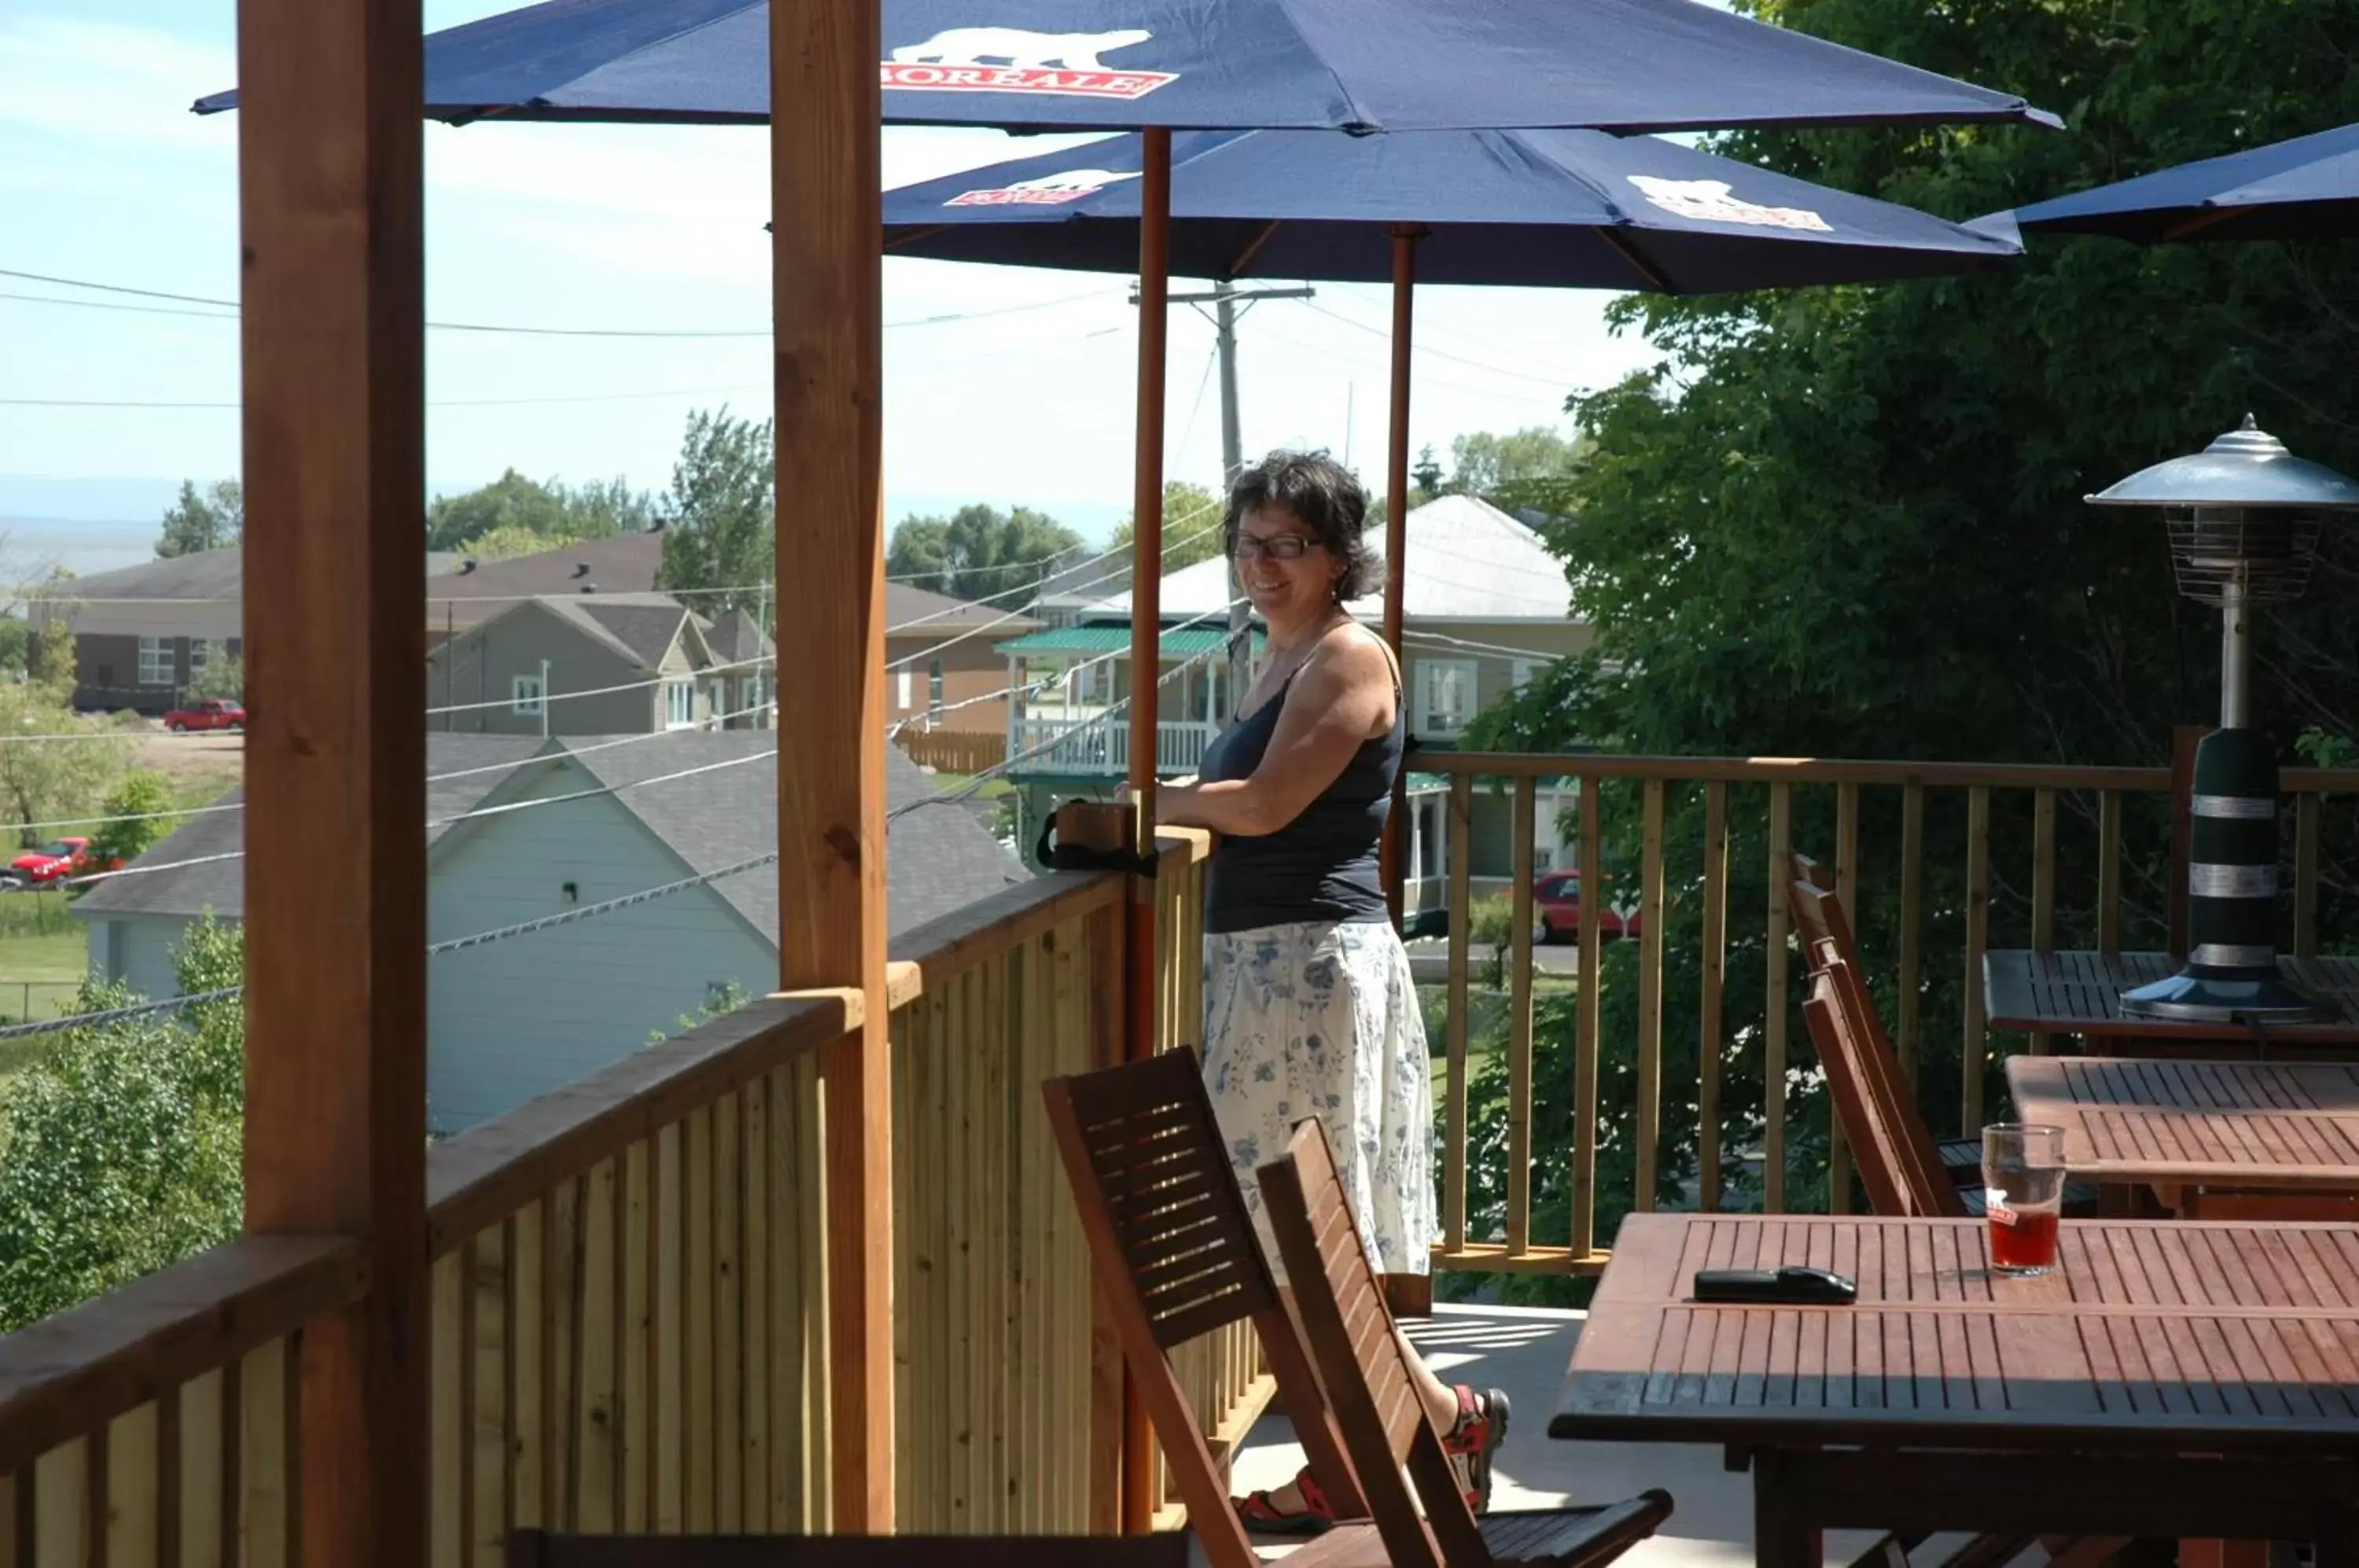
(1013, 59)
(1048, 190)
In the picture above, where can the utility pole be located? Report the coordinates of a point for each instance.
(1225, 300)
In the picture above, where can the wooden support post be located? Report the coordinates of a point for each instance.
(1395, 848)
(330, 211)
(1141, 985)
(828, 294)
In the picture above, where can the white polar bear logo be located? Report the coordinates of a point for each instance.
(1079, 180)
(1709, 201)
(1019, 49)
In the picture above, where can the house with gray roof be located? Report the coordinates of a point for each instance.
(599, 664)
(520, 828)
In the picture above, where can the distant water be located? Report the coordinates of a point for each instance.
(30, 546)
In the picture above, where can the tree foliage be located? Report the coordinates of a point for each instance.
(132, 817)
(979, 552)
(1191, 525)
(213, 520)
(52, 781)
(1851, 524)
(120, 1147)
(522, 515)
(718, 515)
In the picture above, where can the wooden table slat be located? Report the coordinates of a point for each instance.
(2079, 993)
(2233, 1338)
(2290, 1125)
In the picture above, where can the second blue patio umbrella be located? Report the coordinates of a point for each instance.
(2307, 188)
(1566, 208)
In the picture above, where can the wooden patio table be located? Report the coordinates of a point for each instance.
(2209, 1139)
(2170, 1378)
(2080, 994)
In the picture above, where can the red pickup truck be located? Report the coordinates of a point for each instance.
(40, 868)
(212, 713)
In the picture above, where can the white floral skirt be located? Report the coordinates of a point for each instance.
(1321, 1019)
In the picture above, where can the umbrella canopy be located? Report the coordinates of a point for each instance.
(2304, 188)
(1204, 65)
(1566, 208)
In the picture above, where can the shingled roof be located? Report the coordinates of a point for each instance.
(940, 858)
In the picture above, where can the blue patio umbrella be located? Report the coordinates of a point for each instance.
(1562, 208)
(1204, 65)
(2307, 188)
(1568, 209)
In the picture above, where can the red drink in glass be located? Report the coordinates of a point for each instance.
(2023, 1192)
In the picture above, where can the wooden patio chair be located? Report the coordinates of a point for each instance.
(1384, 1422)
(1918, 1174)
(538, 1549)
(1173, 1249)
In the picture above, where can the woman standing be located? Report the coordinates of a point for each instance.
(1309, 1007)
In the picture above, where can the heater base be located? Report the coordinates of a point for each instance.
(2201, 998)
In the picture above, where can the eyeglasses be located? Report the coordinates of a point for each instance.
(1277, 547)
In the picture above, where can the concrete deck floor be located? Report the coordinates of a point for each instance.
(1524, 1352)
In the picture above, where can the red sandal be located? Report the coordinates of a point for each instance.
(1261, 1515)
(1480, 1427)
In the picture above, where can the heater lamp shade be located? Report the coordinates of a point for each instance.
(2246, 468)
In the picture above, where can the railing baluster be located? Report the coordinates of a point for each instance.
(2043, 885)
(1520, 1022)
(1974, 1047)
(1453, 1151)
(597, 1437)
(1585, 1049)
(487, 1410)
(525, 1395)
(728, 1305)
(2109, 871)
(669, 1327)
(1709, 1043)
(61, 1505)
(132, 1506)
(2307, 811)
(446, 1490)
(1651, 994)
(1912, 928)
(1847, 891)
(1773, 1021)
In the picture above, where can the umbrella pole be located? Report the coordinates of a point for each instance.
(1140, 988)
(1396, 842)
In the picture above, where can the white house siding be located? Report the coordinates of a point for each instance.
(143, 950)
(512, 1020)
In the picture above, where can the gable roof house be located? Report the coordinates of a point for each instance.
(522, 829)
(598, 664)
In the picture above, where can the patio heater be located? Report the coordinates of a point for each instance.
(2244, 517)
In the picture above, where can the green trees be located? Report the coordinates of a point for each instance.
(519, 516)
(979, 552)
(213, 520)
(719, 529)
(120, 1149)
(1848, 522)
(1191, 525)
(135, 819)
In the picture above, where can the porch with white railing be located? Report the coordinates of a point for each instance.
(1086, 746)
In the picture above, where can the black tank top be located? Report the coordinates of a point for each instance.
(1321, 866)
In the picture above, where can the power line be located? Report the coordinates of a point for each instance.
(1418, 347)
(233, 306)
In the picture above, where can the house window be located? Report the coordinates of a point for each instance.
(1527, 670)
(1445, 695)
(679, 704)
(934, 685)
(197, 658)
(904, 682)
(524, 695)
(155, 661)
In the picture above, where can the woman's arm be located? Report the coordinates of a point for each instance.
(1333, 704)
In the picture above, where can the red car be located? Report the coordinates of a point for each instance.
(212, 713)
(40, 868)
(1556, 899)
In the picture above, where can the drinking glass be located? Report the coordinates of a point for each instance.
(2023, 1192)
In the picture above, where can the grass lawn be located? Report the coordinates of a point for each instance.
(44, 970)
(951, 783)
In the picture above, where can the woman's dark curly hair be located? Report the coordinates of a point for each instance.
(1325, 499)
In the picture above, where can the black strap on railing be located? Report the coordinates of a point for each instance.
(1081, 857)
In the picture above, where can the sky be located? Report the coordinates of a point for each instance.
(1003, 385)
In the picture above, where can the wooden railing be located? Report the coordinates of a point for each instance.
(628, 1296)
(2015, 828)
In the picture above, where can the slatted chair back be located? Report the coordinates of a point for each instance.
(1360, 1360)
(1899, 1163)
(1173, 1249)
(536, 1549)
